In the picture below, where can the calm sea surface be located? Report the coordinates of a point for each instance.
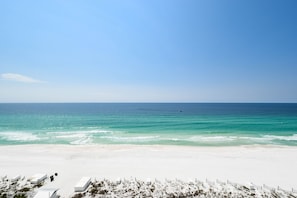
(197, 124)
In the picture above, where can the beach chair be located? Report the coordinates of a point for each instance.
(82, 185)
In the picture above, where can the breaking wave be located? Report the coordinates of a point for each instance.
(19, 136)
(96, 136)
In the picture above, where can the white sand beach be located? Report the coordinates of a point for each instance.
(273, 166)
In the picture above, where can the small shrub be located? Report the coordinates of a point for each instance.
(21, 195)
(26, 189)
(78, 195)
(3, 195)
(103, 192)
(93, 191)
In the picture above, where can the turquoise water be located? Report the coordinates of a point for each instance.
(199, 124)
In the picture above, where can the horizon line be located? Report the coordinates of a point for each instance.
(172, 102)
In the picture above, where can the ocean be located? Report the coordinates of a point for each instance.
(189, 124)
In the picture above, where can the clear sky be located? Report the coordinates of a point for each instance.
(148, 51)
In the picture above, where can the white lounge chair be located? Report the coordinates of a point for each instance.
(82, 185)
(38, 178)
(15, 178)
(47, 193)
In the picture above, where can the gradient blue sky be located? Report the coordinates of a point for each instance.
(148, 51)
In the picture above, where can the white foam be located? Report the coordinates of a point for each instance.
(67, 133)
(195, 139)
(75, 137)
(256, 139)
(249, 139)
(72, 136)
(99, 131)
(221, 139)
(286, 138)
(212, 138)
(82, 141)
(131, 139)
(19, 136)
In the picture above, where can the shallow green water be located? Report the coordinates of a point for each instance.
(199, 124)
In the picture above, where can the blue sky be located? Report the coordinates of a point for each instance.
(148, 51)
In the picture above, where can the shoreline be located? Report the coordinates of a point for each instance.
(270, 165)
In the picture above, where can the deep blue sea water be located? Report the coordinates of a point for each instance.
(195, 124)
